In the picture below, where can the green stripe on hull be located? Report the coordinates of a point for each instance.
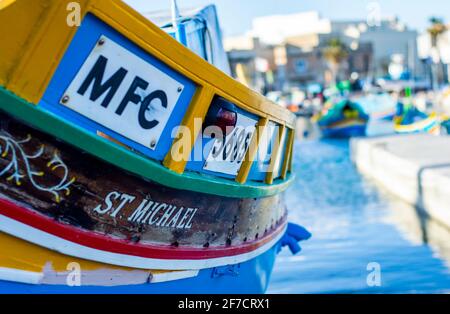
(129, 161)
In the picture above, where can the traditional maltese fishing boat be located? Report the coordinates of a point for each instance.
(410, 120)
(113, 176)
(342, 120)
(445, 125)
(420, 124)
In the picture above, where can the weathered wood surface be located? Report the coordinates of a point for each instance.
(43, 174)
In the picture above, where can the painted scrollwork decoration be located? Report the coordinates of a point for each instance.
(18, 168)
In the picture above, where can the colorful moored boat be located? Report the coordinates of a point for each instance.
(409, 120)
(342, 120)
(423, 124)
(445, 125)
(109, 182)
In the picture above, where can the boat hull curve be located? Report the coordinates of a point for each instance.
(58, 197)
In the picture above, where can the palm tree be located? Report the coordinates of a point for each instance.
(335, 52)
(436, 29)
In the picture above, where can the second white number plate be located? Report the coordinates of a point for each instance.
(227, 156)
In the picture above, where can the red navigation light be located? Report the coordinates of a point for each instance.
(226, 120)
(222, 114)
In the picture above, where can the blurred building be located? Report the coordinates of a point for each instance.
(439, 55)
(292, 46)
(306, 64)
(252, 61)
(391, 40)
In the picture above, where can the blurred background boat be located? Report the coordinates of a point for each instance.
(342, 120)
(420, 123)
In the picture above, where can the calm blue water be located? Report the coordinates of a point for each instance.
(355, 223)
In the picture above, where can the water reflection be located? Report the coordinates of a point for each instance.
(354, 223)
(419, 229)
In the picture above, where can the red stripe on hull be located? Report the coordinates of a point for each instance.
(108, 244)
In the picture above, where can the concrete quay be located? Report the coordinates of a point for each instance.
(415, 168)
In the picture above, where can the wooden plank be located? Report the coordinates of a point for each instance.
(252, 151)
(288, 154)
(44, 48)
(291, 155)
(276, 155)
(5, 3)
(191, 126)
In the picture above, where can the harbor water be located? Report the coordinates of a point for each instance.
(356, 225)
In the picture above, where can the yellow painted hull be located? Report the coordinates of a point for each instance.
(430, 125)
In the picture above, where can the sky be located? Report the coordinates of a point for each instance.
(236, 15)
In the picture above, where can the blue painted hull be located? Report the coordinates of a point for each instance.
(413, 129)
(351, 131)
(251, 277)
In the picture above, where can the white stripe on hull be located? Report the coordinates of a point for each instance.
(41, 238)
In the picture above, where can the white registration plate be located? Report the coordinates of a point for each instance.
(124, 93)
(226, 156)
